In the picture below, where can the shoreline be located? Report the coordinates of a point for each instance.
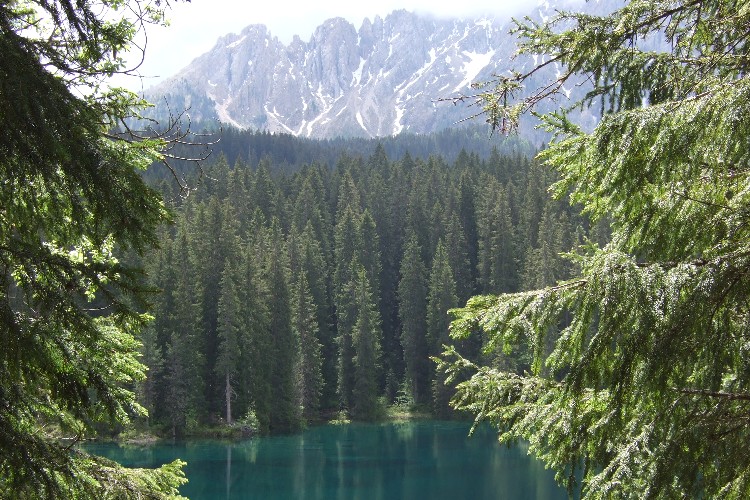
(237, 432)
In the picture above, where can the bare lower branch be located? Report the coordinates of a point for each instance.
(729, 396)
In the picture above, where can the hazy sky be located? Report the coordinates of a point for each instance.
(195, 27)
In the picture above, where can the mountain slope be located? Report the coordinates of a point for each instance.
(377, 81)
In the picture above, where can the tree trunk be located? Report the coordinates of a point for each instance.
(228, 395)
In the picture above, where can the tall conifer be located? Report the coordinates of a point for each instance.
(284, 411)
(645, 393)
(441, 297)
(366, 341)
(412, 293)
(305, 325)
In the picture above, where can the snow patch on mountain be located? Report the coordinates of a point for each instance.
(471, 68)
(389, 76)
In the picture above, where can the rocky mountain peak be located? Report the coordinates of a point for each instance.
(379, 80)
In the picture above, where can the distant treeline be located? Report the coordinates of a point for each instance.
(292, 295)
(288, 153)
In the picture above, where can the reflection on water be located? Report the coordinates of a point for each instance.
(412, 460)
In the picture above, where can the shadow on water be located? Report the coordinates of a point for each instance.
(409, 460)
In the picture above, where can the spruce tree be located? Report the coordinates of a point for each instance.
(229, 334)
(210, 247)
(366, 342)
(441, 298)
(368, 253)
(73, 203)
(497, 256)
(148, 390)
(313, 264)
(467, 215)
(305, 325)
(254, 392)
(162, 272)
(545, 265)
(417, 210)
(263, 193)
(392, 229)
(412, 294)
(284, 411)
(646, 391)
(344, 300)
(310, 208)
(184, 362)
(456, 248)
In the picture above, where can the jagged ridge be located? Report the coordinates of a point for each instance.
(377, 81)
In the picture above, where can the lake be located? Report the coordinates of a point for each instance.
(409, 460)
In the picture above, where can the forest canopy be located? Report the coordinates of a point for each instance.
(358, 263)
(630, 379)
(639, 382)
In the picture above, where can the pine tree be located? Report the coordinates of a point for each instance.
(646, 388)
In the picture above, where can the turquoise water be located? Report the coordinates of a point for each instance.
(411, 460)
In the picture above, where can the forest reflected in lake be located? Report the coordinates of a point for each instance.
(420, 459)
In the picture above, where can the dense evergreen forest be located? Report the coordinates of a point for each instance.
(289, 294)
(288, 297)
(289, 153)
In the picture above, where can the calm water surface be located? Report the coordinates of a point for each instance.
(411, 460)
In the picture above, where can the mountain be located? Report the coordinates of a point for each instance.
(385, 78)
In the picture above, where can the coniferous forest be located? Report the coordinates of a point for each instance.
(288, 298)
(294, 288)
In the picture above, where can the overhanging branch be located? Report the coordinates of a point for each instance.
(729, 396)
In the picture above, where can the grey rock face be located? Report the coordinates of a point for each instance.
(377, 81)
